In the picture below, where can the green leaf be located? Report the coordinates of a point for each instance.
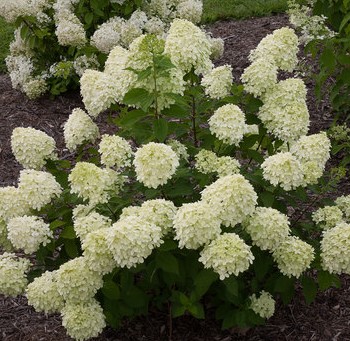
(130, 118)
(161, 129)
(111, 290)
(309, 289)
(89, 17)
(267, 198)
(262, 264)
(135, 297)
(139, 97)
(327, 280)
(231, 285)
(255, 155)
(57, 223)
(71, 248)
(203, 280)
(177, 310)
(167, 262)
(285, 286)
(197, 310)
(345, 20)
(68, 233)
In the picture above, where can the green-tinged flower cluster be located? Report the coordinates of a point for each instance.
(267, 227)
(196, 224)
(208, 162)
(32, 147)
(28, 233)
(115, 151)
(226, 255)
(43, 293)
(284, 112)
(83, 320)
(78, 129)
(343, 203)
(132, 239)
(264, 305)
(179, 149)
(76, 282)
(151, 155)
(12, 203)
(232, 197)
(335, 249)
(328, 217)
(293, 256)
(93, 183)
(13, 271)
(38, 188)
(228, 124)
(217, 83)
(85, 224)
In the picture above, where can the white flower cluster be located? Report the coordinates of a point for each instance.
(343, 203)
(179, 149)
(328, 217)
(335, 249)
(43, 293)
(84, 62)
(115, 151)
(188, 47)
(151, 154)
(28, 233)
(12, 203)
(267, 227)
(217, 83)
(293, 256)
(208, 162)
(228, 124)
(32, 147)
(13, 271)
(284, 112)
(264, 305)
(38, 188)
(303, 165)
(93, 183)
(276, 51)
(312, 27)
(228, 254)
(132, 239)
(85, 224)
(83, 320)
(196, 224)
(78, 129)
(232, 197)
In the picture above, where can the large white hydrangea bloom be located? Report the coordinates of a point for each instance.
(217, 83)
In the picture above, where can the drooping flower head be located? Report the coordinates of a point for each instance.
(264, 305)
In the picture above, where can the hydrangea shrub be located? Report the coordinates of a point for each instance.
(55, 41)
(190, 205)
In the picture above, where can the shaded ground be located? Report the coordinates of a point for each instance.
(328, 318)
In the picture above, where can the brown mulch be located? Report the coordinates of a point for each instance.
(328, 318)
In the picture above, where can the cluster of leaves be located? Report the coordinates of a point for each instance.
(172, 279)
(334, 59)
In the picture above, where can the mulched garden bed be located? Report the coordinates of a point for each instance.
(328, 318)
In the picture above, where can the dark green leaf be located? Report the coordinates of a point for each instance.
(111, 290)
(139, 97)
(68, 232)
(161, 129)
(203, 280)
(309, 289)
(327, 280)
(167, 262)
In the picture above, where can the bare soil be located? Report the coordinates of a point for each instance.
(328, 318)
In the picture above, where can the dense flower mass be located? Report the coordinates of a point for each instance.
(228, 254)
(93, 183)
(78, 129)
(179, 149)
(28, 233)
(43, 294)
(293, 256)
(232, 197)
(93, 221)
(328, 217)
(132, 239)
(32, 147)
(335, 249)
(38, 188)
(13, 271)
(218, 82)
(152, 154)
(188, 47)
(228, 124)
(115, 151)
(12, 203)
(226, 165)
(83, 320)
(280, 47)
(343, 203)
(76, 282)
(284, 112)
(267, 227)
(206, 161)
(264, 305)
(196, 224)
(283, 169)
